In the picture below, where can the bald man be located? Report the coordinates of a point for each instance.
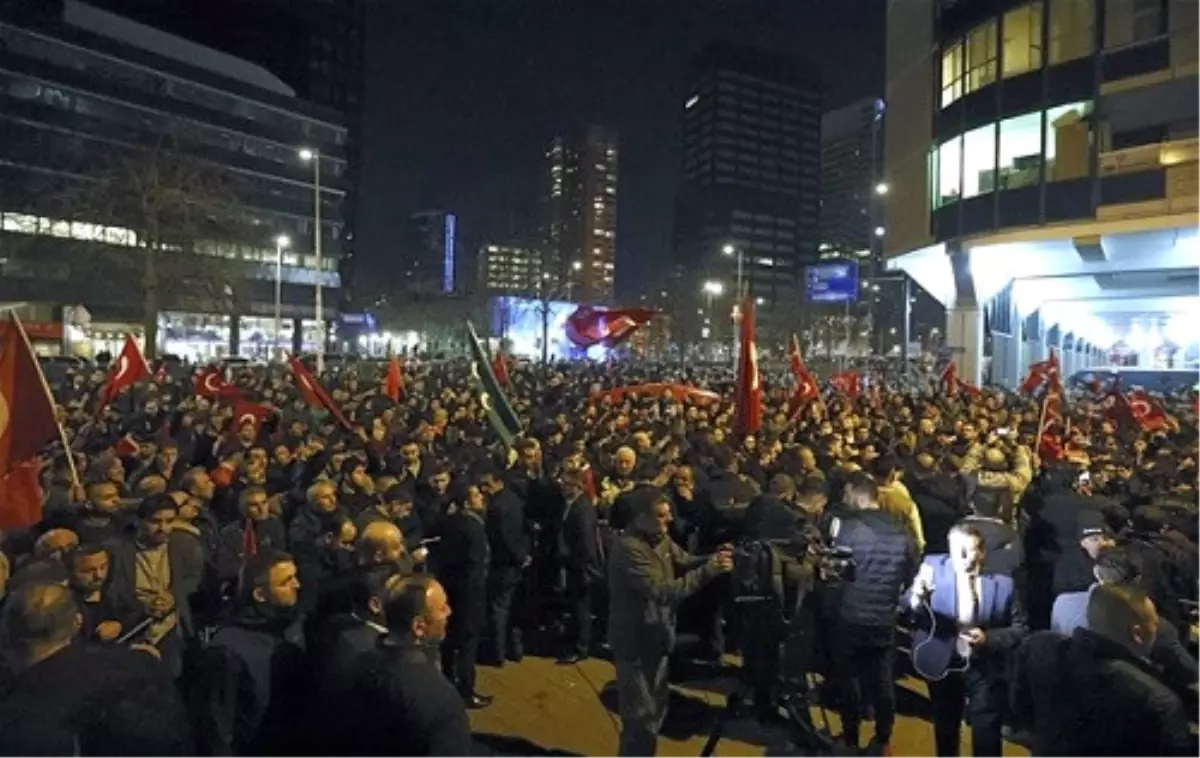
(45, 710)
(381, 543)
(1096, 693)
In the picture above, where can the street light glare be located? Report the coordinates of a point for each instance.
(577, 265)
(880, 231)
(283, 240)
(306, 154)
(714, 288)
(881, 188)
(729, 250)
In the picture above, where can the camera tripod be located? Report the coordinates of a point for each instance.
(790, 698)
(770, 694)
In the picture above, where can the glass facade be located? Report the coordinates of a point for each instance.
(1010, 154)
(1020, 159)
(1072, 29)
(981, 57)
(1022, 29)
(1128, 22)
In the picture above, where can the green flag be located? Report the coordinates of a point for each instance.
(500, 412)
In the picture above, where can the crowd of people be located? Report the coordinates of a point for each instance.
(280, 582)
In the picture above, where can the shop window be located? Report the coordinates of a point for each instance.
(979, 161)
(1020, 150)
(1127, 22)
(949, 162)
(1068, 141)
(1071, 29)
(981, 57)
(952, 73)
(1023, 39)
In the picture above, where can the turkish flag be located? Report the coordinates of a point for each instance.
(1146, 411)
(949, 379)
(500, 369)
(312, 391)
(211, 384)
(394, 386)
(129, 369)
(748, 417)
(246, 412)
(849, 383)
(1040, 373)
(807, 388)
(1051, 426)
(588, 326)
(27, 424)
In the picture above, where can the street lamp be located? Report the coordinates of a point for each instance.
(281, 242)
(882, 188)
(576, 267)
(731, 250)
(880, 231)
(314, 156)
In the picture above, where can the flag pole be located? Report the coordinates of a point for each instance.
(62, 435)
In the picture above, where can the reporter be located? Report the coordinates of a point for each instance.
(644, 594)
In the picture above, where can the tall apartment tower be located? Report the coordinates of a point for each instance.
(851, 167)
(581, 213)
(751, 175)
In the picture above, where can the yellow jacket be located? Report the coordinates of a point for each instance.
(896, 500)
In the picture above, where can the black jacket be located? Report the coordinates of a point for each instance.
(886, 560)
(460, 562)
(580, 539)
(1087, 695)
(250, 683)
(506, 530)
(403, 705)
(47, 707)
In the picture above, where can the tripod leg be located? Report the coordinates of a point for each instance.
(732, 706)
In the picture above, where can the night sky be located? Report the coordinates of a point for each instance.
(462, 96)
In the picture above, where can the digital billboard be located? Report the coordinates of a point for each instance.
(831, 282)
(519, 320)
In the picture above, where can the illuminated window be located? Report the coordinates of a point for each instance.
(981, 57)
(1023, 39)
(1020, 150)
(979, 161)
(1068, 141)
(1127, 22)
(949, 186)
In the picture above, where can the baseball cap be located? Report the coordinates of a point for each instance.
(1091, 523)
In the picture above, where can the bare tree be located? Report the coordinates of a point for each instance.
(176, 205)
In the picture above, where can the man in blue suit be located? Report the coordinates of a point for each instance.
(990, 622)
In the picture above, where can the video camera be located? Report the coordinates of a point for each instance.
(781, 569)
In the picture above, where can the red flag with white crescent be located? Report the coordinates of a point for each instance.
(127, 370)
(27, 424)
(848, 383)
(246, 412)
(807, 388)
(312, 391)
(748, 417)
(211, 383)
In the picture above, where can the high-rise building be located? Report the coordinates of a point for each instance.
(109, 130)
(510, 270)
(751, 176)
(1043, 161)
(851, 167)
(581, 212)
(316, 47)
(430, 259)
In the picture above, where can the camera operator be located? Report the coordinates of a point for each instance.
(644, 593)
(864, 621)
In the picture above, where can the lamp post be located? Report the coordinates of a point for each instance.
(737, 296)
(281, 242)
(314, 156)
(712, 289)
(576, 267)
